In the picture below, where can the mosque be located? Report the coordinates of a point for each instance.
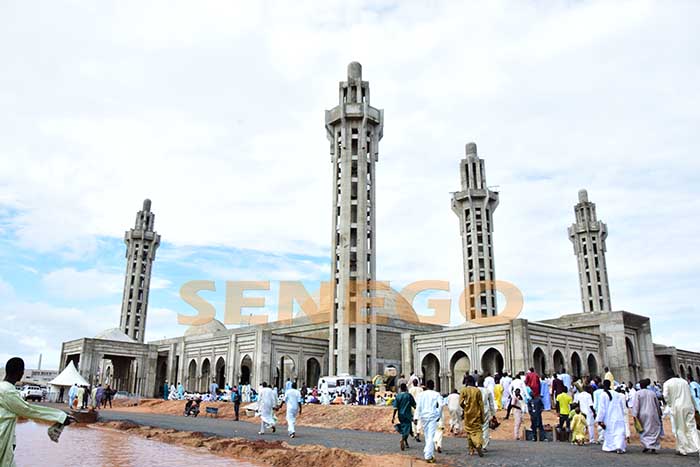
(340, 343)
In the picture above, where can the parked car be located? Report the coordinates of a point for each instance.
(30, 392)
(338, 381)
(121, 395)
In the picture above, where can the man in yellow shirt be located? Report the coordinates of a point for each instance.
(12, 406)
(609, 376)
(564, 408)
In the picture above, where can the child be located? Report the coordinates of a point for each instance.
(578, 427)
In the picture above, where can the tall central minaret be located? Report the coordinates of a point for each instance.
(588, 235)
(474, 206)
(141, 245)
(354, 129)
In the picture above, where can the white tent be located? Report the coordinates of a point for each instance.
(68, 377)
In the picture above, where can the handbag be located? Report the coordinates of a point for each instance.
(494, 423)
(638, 425)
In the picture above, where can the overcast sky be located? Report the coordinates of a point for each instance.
(215, 111)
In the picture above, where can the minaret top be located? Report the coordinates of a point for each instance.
(582, 196)
(470, 149)
(147, 205)
(354, 71)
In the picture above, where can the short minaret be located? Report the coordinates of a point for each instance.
(354, 129)
(588, 235)
(141, 245)
(474, 206)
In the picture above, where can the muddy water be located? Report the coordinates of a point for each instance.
(83, 446)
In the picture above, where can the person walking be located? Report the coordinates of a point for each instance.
(236, 399)
(535, 407)
(292, 397)
(416, 391)
(680, 401)
(611, 417)
(472, 402)
(428, 410)
(489, 413)
(403, 405)
(519, 408)
(267, 402)
(13, 406)
(166, 390)
(647, 411)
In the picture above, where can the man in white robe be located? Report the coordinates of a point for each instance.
(266, 404)
(585, 401)
(646, 409)
(680, 401)
(428, 411)
(415, 391)
(292, 397)
(611, 417)
(489, 412)
(505, 382)
(596, 408)
(455, 411)
(72, 394)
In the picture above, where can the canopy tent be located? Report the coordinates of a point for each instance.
(68, 377)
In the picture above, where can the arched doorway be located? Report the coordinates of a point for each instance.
(631, 359)
(246, 366)
(206, 376)
(459, 367)
(575, 366)
(431, 370)
(220, 372)
(559, 362)
(286, 369)
(492, 362)
(682, 371)
(161, 376)
(539, 361)
(192, 382)
(313, 372)
(592, 366)
(697, 374)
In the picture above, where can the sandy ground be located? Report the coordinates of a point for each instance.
(365, 418)
(275, 453)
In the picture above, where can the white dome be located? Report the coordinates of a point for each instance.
(114, 334)
(211, 327)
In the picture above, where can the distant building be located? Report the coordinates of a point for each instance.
(366, 341)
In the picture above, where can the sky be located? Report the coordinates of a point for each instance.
(215, 111)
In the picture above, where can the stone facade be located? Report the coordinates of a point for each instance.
(588, 236)
(141, 245)
(354, 129)
(474, 206)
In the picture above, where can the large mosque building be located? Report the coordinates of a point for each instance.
(352, 339)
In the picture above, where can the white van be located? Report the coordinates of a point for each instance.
(339, 381)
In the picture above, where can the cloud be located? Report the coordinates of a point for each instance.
(70, 283)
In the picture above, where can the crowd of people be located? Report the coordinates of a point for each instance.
(590, 410)
(85, 397)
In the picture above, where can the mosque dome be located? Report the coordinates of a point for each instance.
(114, 334)
(210, 327)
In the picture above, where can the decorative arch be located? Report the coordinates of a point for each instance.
(682, 369)
(492, 361)
(576, 366)
(206, 376)
(286, 369)
(313, 372)
(539, 361)
(697, 374)
(592, 366)
(192, 380)
(431, 369)
(459, 367)
(559, 362)
(220, 372)
(246, 369)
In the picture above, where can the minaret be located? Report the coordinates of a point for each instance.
(141, 245)
(354, 129)
(474, 206)
(588, 235)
